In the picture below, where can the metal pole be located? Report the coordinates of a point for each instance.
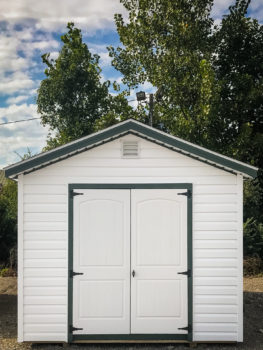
(151, 110)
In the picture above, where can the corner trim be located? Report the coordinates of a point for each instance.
(20, 260)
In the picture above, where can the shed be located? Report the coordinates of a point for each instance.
(130, 234)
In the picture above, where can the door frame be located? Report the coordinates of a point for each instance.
(131, 337)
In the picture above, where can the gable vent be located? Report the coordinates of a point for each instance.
(130, 149)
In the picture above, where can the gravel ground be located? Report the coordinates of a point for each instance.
(253, 324)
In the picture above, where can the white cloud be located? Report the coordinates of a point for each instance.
(102, 51)
(220, 8)
(20, 136)
(17, 81)
(18, 49)
(52, 15)
(256, 10)
(17, 99)
(9, 60)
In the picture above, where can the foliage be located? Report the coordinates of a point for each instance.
(209, 81)
(253, 238)
(8, 219)
(73, 96)
(238, 65)
(7, 272)
(168, 43)
(252, 266)
(253, 198)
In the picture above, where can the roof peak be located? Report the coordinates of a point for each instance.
(120, 129)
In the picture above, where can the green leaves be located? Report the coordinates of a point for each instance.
(167, 43)
(73, 97)
(211, 77)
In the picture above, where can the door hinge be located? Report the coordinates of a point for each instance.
(75, 193)
(187, 328)
(188, 273)
(188, 194)
(72, 273)
(72, 329)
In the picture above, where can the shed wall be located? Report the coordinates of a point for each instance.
(217, 236)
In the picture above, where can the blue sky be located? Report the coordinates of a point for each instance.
(30, 28)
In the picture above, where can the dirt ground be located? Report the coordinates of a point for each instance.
(253, 324)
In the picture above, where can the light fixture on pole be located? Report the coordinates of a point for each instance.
(141, 96)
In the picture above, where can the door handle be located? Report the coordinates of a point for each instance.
(133, 273)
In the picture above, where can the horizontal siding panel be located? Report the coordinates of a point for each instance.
(215, 327)
(45, 245)
(45, 300)
(48, 189)
(215, 281)
(216, 299)
(215, 290)
(52, 179)
(213, 336)
(132, 171)
(131, 163)
(207, 217)
(45, 254)
(216, 262)
(224, 318)
(45, 236)
(217, 235)
(45, 263)
(45, 282)
(215, 272)
(46, 272)
(45, 226)
(43, 319)
(46, 337)
(215, 226)
(211, 309)
(45, 309)
(45, 208)
(43, 217)
(45, 328)
(210, 189)
(215, 253)
(45, 291)
(216, 244)
(44, 197)
(214, 208)
(215, 198)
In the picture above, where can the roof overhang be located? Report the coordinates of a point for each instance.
(130, 126)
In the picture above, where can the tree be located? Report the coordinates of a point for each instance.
(210, 78)
(8, 219)
(239, 70)
(72, 97)
(168, 43)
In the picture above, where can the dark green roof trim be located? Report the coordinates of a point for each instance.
(119, 130)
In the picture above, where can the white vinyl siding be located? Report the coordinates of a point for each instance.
(217, 236)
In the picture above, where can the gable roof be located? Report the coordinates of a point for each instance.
(130, 126)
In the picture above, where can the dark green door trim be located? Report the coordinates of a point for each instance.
(183, 337)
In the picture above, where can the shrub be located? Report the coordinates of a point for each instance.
(7, 272)
(253, 238)
(8, 219)
(252, 265)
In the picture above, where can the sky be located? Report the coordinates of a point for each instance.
(30, 28)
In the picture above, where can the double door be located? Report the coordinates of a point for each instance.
(129, 247)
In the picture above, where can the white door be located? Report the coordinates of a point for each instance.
(158, 253)
(101, 296)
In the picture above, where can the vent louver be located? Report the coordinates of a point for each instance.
(130, 149)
